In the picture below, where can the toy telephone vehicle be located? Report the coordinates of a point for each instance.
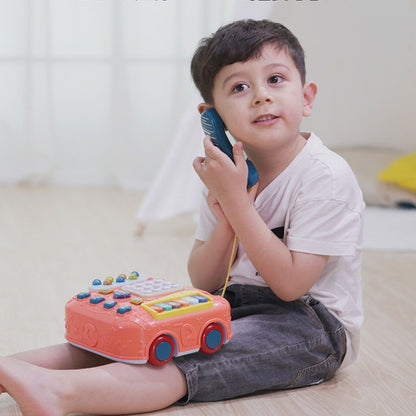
(214, 127)
(138, 320)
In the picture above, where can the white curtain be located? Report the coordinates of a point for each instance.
(92, 90)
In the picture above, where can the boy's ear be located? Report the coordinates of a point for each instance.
(309, 92)
(204, 106)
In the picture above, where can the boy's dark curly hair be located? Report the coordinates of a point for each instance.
(241, 41)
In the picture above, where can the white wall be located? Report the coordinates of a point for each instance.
(362, 54)
(92, 90)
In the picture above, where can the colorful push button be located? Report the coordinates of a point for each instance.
(121, 278)
(157, 308)
(97, 299)
(121, 294)
(133, 275)
(201, 299)
(123, 309)
(96, 282)
(183, 302)
(136, 301)
(83, 295)
(108, 281)
(105, 291)
(165, 306)
(192, 300)
(110, 304)
(174, 304)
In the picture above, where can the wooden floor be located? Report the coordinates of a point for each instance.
(54, 240)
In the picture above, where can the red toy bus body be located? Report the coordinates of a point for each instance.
(147, 320)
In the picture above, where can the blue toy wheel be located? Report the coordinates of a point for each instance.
(212, 338)
(161, 350)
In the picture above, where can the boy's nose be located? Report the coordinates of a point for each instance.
(262, 96)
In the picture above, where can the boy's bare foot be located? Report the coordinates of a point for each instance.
(31, 387)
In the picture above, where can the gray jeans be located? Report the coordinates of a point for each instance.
(276, 345)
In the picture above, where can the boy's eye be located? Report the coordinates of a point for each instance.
(239, 87)
(275, 79)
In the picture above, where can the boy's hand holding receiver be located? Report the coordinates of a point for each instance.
(226, 180)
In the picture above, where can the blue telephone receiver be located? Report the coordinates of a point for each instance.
(214, 127)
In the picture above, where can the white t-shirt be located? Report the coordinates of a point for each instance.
(314, 206)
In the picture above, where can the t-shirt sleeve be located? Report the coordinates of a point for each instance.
(206, 220)
(327, 227)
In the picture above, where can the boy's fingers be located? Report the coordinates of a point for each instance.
(214, 152)
(198, 164)
(239, 157)
(238, 153)
(210, 149)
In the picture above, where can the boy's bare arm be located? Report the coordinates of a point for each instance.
(289, 274)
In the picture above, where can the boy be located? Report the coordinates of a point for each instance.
(295, 279)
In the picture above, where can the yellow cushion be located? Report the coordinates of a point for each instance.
(401, 172)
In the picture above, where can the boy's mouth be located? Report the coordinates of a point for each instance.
(265, 118)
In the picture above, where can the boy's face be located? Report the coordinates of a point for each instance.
(262, 101)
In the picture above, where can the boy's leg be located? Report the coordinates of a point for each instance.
(114, 388)
(276, 345)
(61, 357)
